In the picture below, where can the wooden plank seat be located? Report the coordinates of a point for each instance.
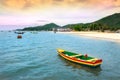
(76, 55)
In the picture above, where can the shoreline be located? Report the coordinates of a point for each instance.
(97, 35)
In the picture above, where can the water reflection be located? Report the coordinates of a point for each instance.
(96, 71)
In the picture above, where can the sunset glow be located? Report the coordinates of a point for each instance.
(61, 12)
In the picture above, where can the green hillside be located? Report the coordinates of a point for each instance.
(47, 27)
(112, 20)
(111, 23)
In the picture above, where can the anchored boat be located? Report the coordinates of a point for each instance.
(19, 36)
(80, 58)
(19, 32)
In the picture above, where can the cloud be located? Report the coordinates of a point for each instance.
(43, 4)
(13, 4)
(56, 9)
(117, 2)
(42, 21)
(58, 0)
(27, 4)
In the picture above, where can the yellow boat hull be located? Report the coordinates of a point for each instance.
(93, 62)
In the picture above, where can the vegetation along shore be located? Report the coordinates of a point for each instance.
(110, 23)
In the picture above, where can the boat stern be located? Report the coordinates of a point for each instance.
(97, 63)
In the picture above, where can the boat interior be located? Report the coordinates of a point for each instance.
(79, 56)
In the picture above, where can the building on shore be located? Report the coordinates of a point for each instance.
(118, 31)
(62, 29)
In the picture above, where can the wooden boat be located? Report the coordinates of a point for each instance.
(34, 32)
(19, 36)
(19, 32)
(79, 58)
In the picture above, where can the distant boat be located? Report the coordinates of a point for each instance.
(19, 32)
(34, 32)
(55, 31)
(79, 58)
(9, 31)
(19, 36)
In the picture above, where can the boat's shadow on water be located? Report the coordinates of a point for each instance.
(94, 70)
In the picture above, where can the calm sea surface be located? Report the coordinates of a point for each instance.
(34, 57)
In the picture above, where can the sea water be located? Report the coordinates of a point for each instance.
(34, 57)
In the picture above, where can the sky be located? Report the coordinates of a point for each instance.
(39, 12)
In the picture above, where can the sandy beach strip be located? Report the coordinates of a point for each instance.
(99, 35)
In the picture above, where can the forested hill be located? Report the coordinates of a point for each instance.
(111, 23)
(47, 27)
(112, 20)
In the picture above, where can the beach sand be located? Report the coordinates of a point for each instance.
(99, 35)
